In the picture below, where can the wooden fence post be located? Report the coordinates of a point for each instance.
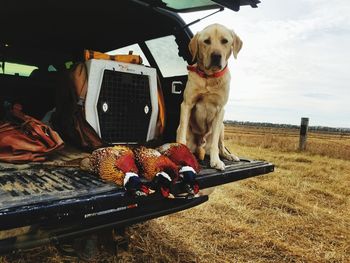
(303, 133)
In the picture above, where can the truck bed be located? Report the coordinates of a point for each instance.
(39, 184)
(26, 188)
(71, 202)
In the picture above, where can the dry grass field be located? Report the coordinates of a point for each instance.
(299, 213)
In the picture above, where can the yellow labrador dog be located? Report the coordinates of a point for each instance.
(201, 125)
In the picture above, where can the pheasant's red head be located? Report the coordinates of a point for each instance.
(166, 165)
(151, 162)
(126, 163)
(180, 154)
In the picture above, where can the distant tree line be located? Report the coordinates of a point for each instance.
(287, 126)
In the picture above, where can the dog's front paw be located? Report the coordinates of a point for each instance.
(181, 139)
(217, 164)
(228, 156)
(232, 157)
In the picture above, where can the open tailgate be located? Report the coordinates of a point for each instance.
(45, 194)
(67, 202)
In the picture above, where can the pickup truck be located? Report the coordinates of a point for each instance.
(43, 203)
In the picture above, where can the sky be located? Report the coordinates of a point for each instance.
(295, 61)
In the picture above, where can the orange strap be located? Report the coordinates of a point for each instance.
(130, 58)
(161, 106)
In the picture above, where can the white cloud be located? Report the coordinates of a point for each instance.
(294, 62)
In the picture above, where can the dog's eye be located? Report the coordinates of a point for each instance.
(224, 41)
(207, 41)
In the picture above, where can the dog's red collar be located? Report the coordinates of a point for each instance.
(202, 74)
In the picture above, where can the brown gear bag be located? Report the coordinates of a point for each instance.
(69, 117)
(25, 139)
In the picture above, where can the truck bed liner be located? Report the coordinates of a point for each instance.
(49, 192)
(68, 202)
(40, 184)
(45, 184)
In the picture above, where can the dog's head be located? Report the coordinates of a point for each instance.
(213, 46)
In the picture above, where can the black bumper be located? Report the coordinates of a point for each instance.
(118, 217)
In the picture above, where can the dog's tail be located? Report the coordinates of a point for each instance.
(201, 147)
(200, 153)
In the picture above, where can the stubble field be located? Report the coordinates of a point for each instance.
(299, 213)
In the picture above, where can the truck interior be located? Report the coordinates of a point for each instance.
(49, 37)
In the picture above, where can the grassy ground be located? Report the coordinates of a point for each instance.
(299, 213)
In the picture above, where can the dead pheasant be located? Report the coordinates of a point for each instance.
(189, 167)
(157, 168)
(116, 164)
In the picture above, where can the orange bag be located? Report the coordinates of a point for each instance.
(24, 138)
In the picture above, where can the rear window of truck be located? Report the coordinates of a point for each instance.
(8, 68)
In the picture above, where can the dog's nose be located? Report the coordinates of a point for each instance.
(215, 59)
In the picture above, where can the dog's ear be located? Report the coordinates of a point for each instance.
(236, 44)
(193, 47)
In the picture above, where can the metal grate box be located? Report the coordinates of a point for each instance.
(121, 103)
